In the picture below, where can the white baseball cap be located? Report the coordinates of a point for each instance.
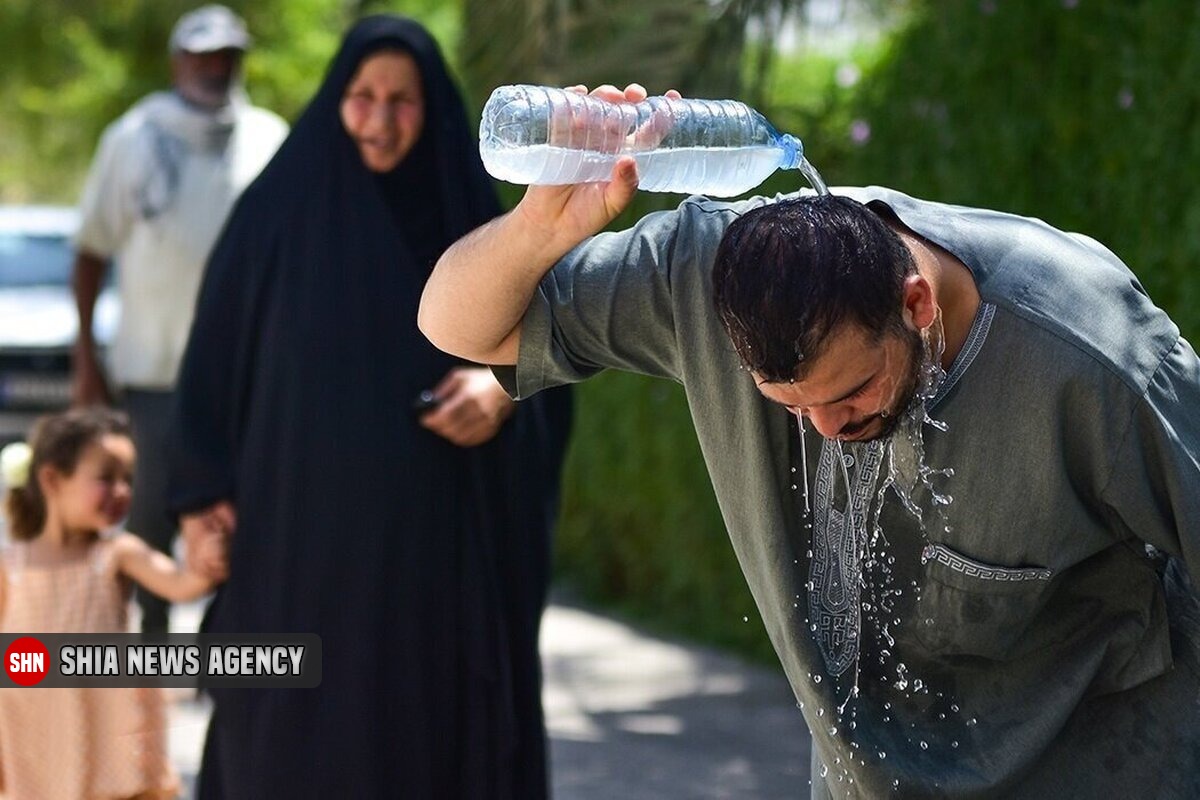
(208, 29)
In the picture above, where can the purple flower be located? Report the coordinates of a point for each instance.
(848, 74)
(860, 131)
(1125, 98)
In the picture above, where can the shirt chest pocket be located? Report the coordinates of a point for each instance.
(969, 608)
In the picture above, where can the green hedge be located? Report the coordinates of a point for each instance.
(1085, 114)
(640, 529)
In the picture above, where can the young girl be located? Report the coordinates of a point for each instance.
(63, 574)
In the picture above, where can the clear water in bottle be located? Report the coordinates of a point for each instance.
(542, 135)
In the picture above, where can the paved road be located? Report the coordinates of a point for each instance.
(632, 717)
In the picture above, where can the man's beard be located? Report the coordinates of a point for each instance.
(906, 398)
(209, 92)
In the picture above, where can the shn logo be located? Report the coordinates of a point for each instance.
(27, 661)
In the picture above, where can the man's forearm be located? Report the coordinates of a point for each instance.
(477, 295)
(474, 300)
(86, 278)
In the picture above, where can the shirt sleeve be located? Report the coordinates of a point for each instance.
(1154, 488)
(106, 205)
(614, 301)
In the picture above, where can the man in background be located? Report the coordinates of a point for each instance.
(164, 178)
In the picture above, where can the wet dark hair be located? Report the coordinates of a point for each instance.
(57, 440)
(788, 274)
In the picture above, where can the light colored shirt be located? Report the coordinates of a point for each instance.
(1032, 645)
(163, 181)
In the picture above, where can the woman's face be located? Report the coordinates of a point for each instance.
(383, 109)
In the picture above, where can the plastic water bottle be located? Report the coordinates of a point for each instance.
(543, 135)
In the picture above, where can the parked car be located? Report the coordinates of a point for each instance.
(38, 319)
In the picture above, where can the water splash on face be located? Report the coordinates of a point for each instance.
(907, 469)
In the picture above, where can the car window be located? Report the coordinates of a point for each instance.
(35, 260)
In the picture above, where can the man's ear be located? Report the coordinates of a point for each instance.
(920, 309)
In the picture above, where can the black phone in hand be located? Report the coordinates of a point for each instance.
(425, 402)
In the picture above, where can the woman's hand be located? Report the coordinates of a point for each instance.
(472, 407)
(206, 536)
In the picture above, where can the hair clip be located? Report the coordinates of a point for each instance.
(14, 464)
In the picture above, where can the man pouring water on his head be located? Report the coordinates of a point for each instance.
(976, 575)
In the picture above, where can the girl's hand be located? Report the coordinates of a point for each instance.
(159, 573)
(472, 409)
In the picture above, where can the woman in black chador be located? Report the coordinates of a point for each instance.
(414, 542)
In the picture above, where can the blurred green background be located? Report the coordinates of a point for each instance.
(1081, 112)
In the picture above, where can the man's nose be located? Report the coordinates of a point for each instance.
(828, 420)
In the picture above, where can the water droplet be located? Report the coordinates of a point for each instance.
(954, 707)
(824, 771)
(971, 722)
(882, 754)
(820, 712)
(816, 678)
(745, 619)
(924, 745)
(954, 745)
(896, 783)
(833, 731)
